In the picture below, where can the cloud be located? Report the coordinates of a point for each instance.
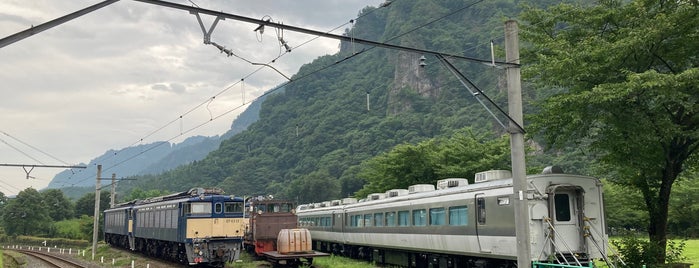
(108, 78)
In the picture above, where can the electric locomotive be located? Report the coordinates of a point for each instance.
(465, 225)
(200, 226)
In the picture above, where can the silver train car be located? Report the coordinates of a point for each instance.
(465, 225)
(200, 226)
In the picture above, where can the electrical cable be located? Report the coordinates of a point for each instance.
(35, 148)
(20, 151)
(273, 90)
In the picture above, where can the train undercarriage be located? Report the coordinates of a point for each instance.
(214, 253)
(410, 259)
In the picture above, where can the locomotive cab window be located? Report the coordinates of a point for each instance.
(199, 208)
(233, 207)
(562, 203)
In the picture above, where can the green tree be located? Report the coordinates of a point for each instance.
(86, 204)
(26, 214)
(622, 79)
(140, 194)
(462, 155)
(59, 206)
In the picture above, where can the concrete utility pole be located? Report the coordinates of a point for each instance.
(519, 171)
(96, 222)
(113, 192)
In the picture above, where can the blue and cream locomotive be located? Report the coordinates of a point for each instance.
(200, 226)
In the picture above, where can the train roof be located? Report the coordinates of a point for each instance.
(492, 179)
(200, 193)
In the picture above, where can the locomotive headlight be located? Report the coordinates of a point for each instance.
(201, 253)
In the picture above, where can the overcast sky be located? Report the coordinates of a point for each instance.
(108, 79)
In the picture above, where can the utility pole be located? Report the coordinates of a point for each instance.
(113, 192)
(519, 171)
(95, 227)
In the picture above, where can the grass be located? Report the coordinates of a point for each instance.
(247, 261)
(691, 252)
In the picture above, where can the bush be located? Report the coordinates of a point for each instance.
(637, 252)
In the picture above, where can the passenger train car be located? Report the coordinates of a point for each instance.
(200, 226)
(465, 225)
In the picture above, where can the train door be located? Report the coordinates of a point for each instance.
(480, 220)
(130, 217)
(564, 210)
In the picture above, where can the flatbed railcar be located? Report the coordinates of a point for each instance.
(465, 225)
(199, 226)
(273, 233)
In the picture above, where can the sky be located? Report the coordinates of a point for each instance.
(134, 73)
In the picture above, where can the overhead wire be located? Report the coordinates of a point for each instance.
(208, 101)
(274, 89)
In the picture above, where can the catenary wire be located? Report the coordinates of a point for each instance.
(273, 90)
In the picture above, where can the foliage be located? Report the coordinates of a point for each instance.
(86, 204)
(622, 77)
(461, 155)
(140, 194)
(683, 217)
(72, 229)
(59, 206)
(26, 214)
(637, 252)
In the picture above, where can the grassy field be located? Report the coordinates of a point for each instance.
(691, 251)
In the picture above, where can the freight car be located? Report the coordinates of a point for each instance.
(273, 234)
(465, 225)
(200, 226)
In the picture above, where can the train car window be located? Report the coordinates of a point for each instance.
(562, 203)
(419, 217)
(356, 221)
(403, 218)
(168, 219)
(437, 216)
(233, 207)
(390, 219)
(480, 203)
(367, 220)
(218, 208)
(503, 200)
(458, 216)
(378, 219)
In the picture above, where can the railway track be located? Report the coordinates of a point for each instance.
(53, 260)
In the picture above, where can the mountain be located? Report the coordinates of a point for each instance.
(342, 109)
(152, 158)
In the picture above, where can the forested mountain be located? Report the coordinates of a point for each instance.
(345, 108)
(152, 158)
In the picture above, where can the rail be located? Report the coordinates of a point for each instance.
(53, 260)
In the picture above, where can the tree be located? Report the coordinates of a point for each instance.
(461, 155)
(86, 204)
(26, 214)
(623, 80)
(59, 207)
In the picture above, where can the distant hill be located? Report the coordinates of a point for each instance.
(152, 158)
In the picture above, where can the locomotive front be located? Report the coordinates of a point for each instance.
(213, 228)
